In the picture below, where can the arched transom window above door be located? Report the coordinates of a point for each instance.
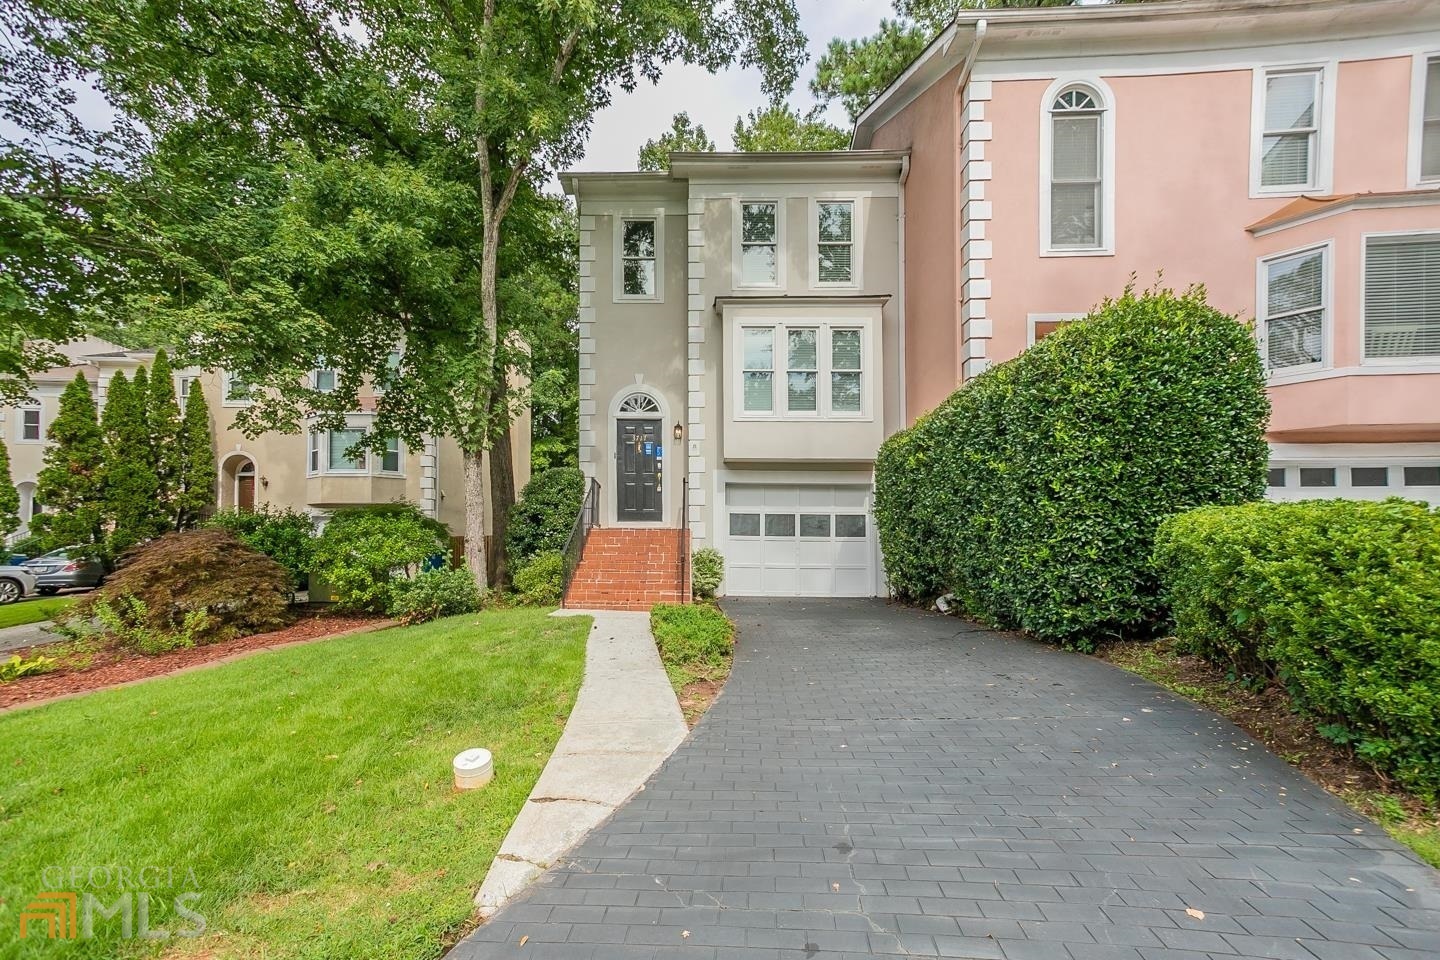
(640, 403)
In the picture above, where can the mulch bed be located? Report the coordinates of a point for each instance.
(109, 666)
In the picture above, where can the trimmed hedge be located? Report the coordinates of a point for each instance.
(1337, 600)
(1034, 492)
(545, 515)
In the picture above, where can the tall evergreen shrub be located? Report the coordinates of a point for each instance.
(131, 488)
(71, 483)
(1035, 491)
(195, 489)
(162, 411)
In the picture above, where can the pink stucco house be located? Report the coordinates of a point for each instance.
(1285, 154)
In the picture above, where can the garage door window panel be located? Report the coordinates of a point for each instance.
(779, 524)
(744, 524)
(848, 525)
(815, 525)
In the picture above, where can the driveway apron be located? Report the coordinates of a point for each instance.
(877, 780)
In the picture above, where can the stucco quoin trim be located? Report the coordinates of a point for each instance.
(587, 345)
(975, 244)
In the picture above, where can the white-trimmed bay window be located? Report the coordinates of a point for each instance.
(835, 260)
(1402, 297)
(824, 371)
(759, 243)
(1288, 130)
(339, 442)
(390, 456)
(1294, 310)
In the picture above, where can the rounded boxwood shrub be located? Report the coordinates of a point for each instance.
(364, 550)
(541, 581)
(182, 589)
(1034, 492)
(285, 536)
(446, 592)
(545, 515)
(1336, 600)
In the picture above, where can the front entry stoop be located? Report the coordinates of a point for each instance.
(627, 568)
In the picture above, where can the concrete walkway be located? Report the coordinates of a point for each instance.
(876, 780)
(26, 635)
(626, 721)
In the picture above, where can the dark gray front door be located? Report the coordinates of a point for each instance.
(638, 469)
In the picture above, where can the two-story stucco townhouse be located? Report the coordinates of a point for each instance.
(740, 359)
(1285, 154)
(306, 471)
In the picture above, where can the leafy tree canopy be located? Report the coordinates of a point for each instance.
(324, 181)
(681, 137)
(779, 128)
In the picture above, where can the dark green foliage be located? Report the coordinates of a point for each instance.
(131, 491)
(195, 491)
(682, 137)
(71, 483)
(545, 515)
(195, 587)
(162, 412)
(9, 496)
(285, 536)
(691, 635)
(364, 550)
(707, 570)
(1034, 492)
(446, 592)
(542, 579)
(1338, 600)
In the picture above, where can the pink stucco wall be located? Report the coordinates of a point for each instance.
(1182, 174)
(928, 129)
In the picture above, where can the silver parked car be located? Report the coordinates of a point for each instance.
(15, 582)
(59, 570)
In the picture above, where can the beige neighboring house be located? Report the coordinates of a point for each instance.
(740, 359)
(305, 471)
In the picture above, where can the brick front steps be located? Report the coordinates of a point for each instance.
(627, 569)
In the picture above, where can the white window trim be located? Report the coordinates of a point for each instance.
(617, 278)
(1394, 364)
(1106, 97)
(315, 378)
(1034, 318)
(737, 251)
(1327, 309)
(857, 248)
(374, 462)
(780, 407)
(183, 383)
(20, 423)
(1324, 159)
(1420, 65)
(225, 398)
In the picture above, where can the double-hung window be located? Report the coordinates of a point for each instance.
(1289, 135)
(237, 390)
(823, 371)
(340, 443)
(324, 379)
(1429, 132)
(758, 387)
(638, 258)
(30, 423)
(186, 384)
(759, 244)
(317, 440)
(1077, 170)
(1295, 306)
(1402, 297)
(835, 243)
(390, 458)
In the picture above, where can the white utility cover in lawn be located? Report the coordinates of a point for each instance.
(799, 540)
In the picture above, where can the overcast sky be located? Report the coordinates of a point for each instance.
(715, 101)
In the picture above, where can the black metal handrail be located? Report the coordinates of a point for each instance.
(685, 588)
(587, 519)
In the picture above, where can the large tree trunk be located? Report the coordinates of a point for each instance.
(502, 498)
(475, 515)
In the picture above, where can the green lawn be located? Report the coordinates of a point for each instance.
(308, 791)
(32, 611)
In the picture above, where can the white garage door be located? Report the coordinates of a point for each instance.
(799, 541)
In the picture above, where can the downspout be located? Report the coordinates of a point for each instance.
(900, 307)
(973, 54)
